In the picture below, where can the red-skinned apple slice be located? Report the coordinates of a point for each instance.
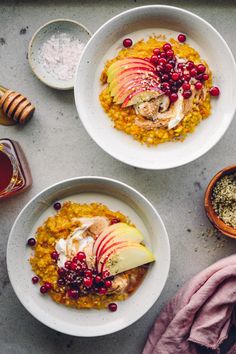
(124, 257)
(145, 84)
(141, 95)
(141, 69)
(109, 249)
(116, 233)
(149, 80)
(106, 233)
(135, 65)
(127, 61)
(126, 234)
(106, 255)
(127, 84)
(116, 84)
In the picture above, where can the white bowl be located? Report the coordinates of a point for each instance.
(139, 23)
(117, 196)
(70, 27)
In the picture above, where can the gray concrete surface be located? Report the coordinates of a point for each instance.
(58, 147)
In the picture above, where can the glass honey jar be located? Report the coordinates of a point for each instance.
(15, 174)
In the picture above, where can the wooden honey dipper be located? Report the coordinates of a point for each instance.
(15, 107)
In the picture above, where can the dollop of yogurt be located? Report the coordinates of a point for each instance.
(80, 240)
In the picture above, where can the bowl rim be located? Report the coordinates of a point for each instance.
(211, 214)
(31, 43)
(118, 183)
(83, 119)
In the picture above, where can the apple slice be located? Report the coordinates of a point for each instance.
(107, 232)
(116, 233)
(115, 91)
(125, 257)
(118, 82)
(113, 249)
(127, 62)
(122, 94)
(135, 67)
(126, 234)
(110, 250)
(126, 84)
(138, 70)
(142, 95)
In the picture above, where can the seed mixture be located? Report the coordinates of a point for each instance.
(224, 199)
(125, 119)
(213, 240)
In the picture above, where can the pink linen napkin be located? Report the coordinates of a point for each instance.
(200, 314)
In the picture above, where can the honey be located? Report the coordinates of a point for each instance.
(15, 174)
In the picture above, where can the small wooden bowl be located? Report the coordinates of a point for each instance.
(213, 217)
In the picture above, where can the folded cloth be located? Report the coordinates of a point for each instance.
(200, 315)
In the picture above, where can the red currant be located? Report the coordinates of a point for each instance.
(198, 85)
(73, 266)
(187, 94)
(156, 51)
(205, 77)
(127, 42)
(54, 255)
(199, 77)
(88, 282)
(193, 72)
(187, 77)
(48, 285)
(61, 271)
(112, 307)
(165, 86)
(57, 205)
(165, 77)
(108, 283)
(214, 91)
(186, 86)
(201, 68)
(43, 289)
(175, 76)
(73, 294)
(173, 97)
(154, 59)
(61, 282)
(35, 279)
(88, 273)
(162, 61)
(31, 242)
(102, 291)
(67, 264)
(168, 67)
(162, 55)
(166, 47)
(170, 53)
(81, 256)
(98, 279)
(181, 38)
(190, 65)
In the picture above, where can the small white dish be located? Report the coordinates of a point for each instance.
(117, 196)
(70, 27)
(139, 23)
